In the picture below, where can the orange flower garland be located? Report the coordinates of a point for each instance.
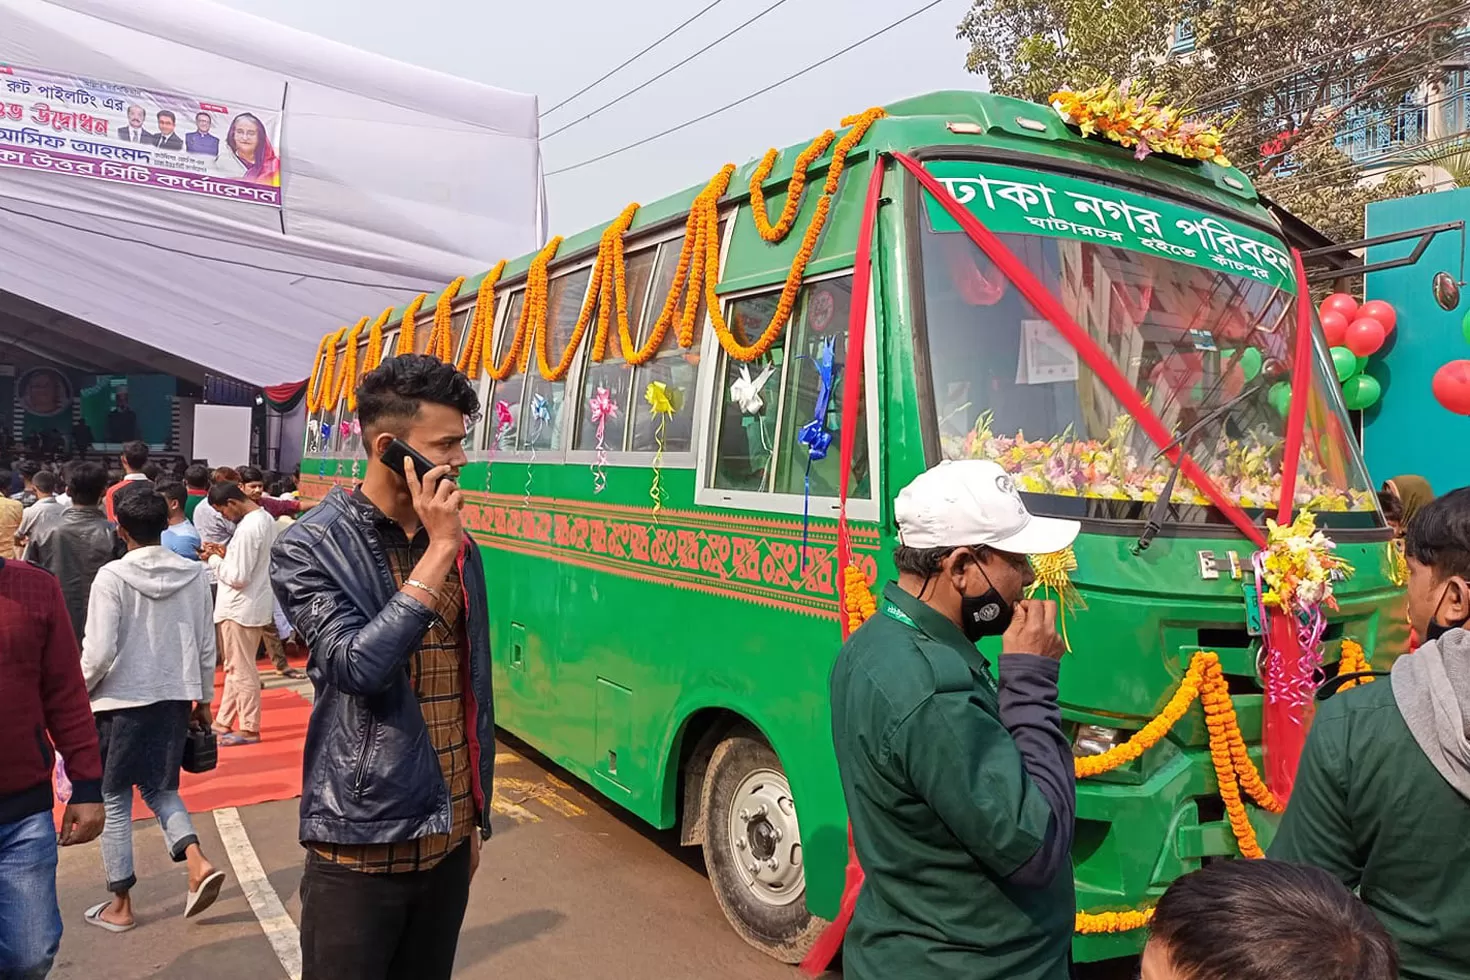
(1352, 661)
(1091, 923)
(325, 389)
(406, 328)
(749, 352)
(482, 325)
(441, 338)
(371, 357)
(794, 189)
(347, 377)
(602, 295)
(535, 296)
(703, 223)
(1149, 735)
(857, 600)
(315, 385)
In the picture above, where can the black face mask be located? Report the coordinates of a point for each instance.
(1434, 630)
(986, 614)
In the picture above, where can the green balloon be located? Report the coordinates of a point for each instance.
(1280, 397)
(1344, 362)
(1362, 365)
(1465, 327)
(1361, 391)
(1250, 363)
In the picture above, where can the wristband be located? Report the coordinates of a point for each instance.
(419, 585)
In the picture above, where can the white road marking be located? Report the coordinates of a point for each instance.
(275, 922)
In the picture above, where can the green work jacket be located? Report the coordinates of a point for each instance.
(1369, 807)
(942, 808)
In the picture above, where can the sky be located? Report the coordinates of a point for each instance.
(552, 48)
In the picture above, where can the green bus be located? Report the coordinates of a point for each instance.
(675, 657)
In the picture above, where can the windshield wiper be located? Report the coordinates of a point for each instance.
(1155, 522)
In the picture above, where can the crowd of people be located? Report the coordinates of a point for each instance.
(957, 774)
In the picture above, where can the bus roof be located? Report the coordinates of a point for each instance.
(919, 123)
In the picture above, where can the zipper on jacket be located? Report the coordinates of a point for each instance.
(367, 750)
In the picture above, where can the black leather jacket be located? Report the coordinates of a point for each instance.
(370, 775)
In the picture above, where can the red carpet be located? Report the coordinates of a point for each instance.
(247, 774)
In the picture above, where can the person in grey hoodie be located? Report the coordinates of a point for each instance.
(1382, 797)
(148, 658)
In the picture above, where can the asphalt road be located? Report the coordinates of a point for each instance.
(567, 888)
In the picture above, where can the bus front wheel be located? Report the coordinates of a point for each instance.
(752, 849)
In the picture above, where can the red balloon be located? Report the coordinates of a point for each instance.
(1340, 303)
(1364, 336)
(1452, 387)
(1334, 326)
(1380, 311)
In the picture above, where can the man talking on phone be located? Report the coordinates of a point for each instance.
(958, 778)
(388, 593)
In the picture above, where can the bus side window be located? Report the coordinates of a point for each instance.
(460, 327)
(823, 314)
(613, 372)
(509, 390)
(564, 299)
(745, 441)
(675, 366)
(761, 450)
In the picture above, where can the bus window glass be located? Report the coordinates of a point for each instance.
(613, 372)
(507, 392)
(678, 369)
(1206, 348)
(823, 312)
(563, 303)
(745, 440)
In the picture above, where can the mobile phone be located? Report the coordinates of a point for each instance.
(398, 451)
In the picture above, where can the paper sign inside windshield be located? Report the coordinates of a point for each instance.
(1014, 201)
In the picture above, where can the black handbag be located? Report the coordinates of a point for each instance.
(201, 752)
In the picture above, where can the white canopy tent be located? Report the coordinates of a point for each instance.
(393, 180)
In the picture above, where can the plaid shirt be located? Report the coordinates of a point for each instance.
(435, 673)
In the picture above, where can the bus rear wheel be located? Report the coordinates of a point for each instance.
(752, 849)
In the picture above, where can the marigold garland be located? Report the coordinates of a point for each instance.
(748, 352)
(347, 377)
(1353, 661)
(373, 356)
(1091, 923)
(519, 351)
(857, 600)
(476, 353)
(602, 295)
(441, 338)
(406, 338)
(315, 384)
(794, 188)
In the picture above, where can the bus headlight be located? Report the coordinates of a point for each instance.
(1094, 740)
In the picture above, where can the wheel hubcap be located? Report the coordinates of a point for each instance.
(765, 838)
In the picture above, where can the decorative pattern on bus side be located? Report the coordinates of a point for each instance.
(754, 559)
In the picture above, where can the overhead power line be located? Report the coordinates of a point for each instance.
(741, 101)
(638, 88)
(598, 81)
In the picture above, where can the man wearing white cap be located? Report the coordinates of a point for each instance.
(959, 788)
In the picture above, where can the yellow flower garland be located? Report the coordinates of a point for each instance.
(1092, 923)
(603, 293)
(1352, 661)
(857, 600)
(441, 338)
(406, 328)
(794, 189)
(347, 377)
(748, 352)
(477, 349)
(371, 357)
(315, 385)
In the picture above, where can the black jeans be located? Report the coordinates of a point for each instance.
(359, 926)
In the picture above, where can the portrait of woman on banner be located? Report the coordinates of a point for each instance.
(251, 156)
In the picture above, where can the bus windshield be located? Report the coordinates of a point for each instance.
(1206, 341)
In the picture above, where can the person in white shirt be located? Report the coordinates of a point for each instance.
(148, 658)
(243, 607)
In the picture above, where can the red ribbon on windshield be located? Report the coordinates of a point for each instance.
(1097, 360)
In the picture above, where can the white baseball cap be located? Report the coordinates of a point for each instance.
(974, 502)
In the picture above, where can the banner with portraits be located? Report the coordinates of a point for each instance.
(86, 127)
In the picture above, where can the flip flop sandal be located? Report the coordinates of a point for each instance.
(235, 738)
(293, 673)
(203, 897)
(93, 916)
